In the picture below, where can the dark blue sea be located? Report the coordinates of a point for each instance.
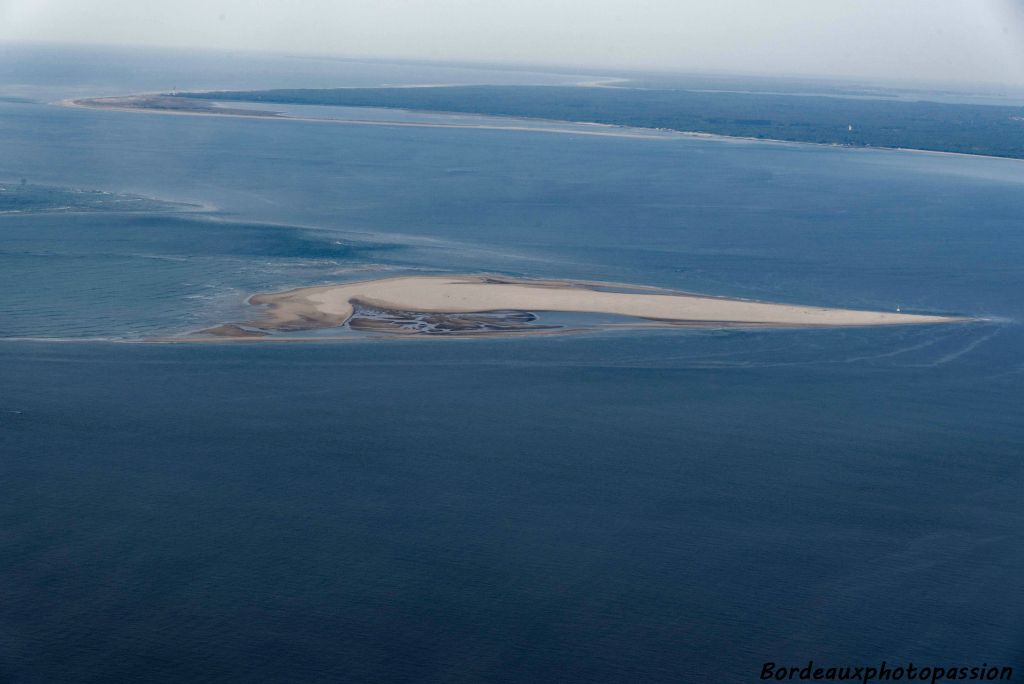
(616, 506)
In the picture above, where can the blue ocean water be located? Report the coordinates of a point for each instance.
(642, 506)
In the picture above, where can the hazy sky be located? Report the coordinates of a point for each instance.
(949, 40)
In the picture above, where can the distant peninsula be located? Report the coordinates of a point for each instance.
(993, 130)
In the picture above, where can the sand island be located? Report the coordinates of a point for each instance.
(480, 305)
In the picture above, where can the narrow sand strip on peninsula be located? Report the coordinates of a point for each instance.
(333, 306)
(184, 106)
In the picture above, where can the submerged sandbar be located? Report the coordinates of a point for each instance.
(475, 304)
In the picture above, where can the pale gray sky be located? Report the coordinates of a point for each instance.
(945, 40)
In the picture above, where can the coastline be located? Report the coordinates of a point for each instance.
(598, 129)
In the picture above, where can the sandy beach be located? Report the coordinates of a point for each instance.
(485, 304)
(183, 106)
(164, 104)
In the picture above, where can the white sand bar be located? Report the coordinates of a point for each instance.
(334, 305)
